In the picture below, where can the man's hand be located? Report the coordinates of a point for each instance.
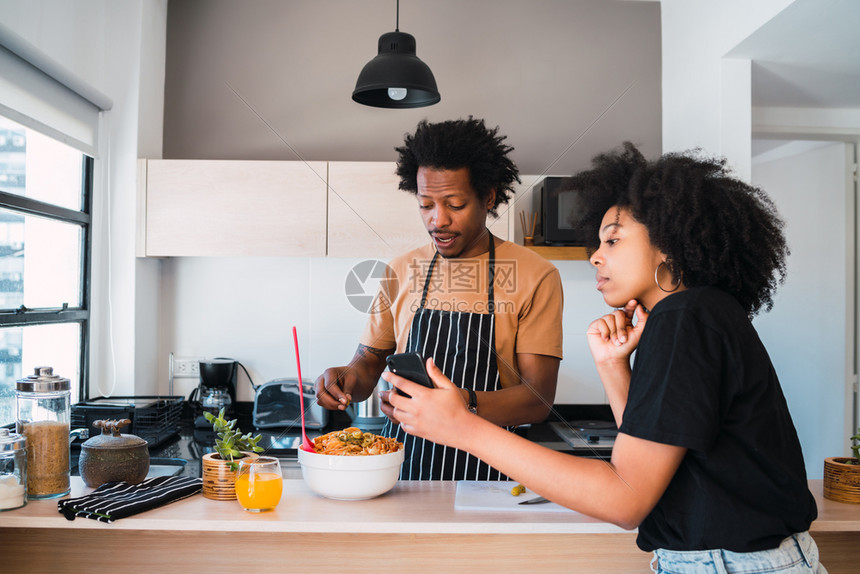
(334, 387)
(337, 387)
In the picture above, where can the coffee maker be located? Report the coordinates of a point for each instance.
(217, 388)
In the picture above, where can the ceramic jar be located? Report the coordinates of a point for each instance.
(113, 456)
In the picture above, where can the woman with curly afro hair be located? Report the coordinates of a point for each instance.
(707, 463)
(714, 229)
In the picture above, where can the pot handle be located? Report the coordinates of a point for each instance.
(111, 426)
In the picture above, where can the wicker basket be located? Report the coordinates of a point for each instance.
(841, 480)
(219, 482)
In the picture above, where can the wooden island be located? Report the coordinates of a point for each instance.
(414, 528)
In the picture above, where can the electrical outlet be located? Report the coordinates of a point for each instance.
(186, 368)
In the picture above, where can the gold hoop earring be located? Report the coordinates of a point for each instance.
(657, 281)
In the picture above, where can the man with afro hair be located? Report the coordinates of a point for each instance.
(486, 310)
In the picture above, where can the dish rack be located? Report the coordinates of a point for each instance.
(153, 418)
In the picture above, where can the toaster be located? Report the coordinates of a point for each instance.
(276, 404)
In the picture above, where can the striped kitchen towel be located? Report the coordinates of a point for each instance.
(115, 500)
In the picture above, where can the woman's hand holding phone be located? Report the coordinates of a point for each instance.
(409, 366)
(438, 416)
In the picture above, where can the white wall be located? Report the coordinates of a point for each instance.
(699, 87)
(706, 103)
(245, 307)
(809, 188)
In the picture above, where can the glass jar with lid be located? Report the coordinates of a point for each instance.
(13, 470)
(44, 409)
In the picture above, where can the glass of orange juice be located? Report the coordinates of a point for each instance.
(259, 483)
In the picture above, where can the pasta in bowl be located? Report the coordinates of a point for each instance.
(351, 464)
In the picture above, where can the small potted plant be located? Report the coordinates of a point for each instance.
(219, 467)
(842, 475)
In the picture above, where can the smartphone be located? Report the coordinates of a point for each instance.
(409, 366)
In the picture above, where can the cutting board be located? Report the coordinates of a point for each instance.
(496, 495)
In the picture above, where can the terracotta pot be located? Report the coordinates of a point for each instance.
(842, 480)
(219, 481)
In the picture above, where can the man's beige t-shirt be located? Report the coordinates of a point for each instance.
(528, 300)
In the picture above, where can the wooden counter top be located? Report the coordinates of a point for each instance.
(412, 506)
(415, 517)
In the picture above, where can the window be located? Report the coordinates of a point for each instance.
(45, 198)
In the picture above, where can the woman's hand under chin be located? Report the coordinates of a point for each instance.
(439, 414)
(613, 337)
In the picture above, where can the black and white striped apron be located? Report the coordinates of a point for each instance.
(463, 346)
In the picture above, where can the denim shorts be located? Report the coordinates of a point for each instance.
(797, 554)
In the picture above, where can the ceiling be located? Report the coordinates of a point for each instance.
(808, 55)
(272, 79)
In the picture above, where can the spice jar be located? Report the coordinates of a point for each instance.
(13, 470)
(43, 401)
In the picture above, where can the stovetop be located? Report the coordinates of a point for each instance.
(597, 439)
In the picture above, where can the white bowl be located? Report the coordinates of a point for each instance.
(350, 477)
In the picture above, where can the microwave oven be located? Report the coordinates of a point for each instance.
(560, 207)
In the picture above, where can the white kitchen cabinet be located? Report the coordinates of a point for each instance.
(231, 208)
(279, 208)
(370, 217)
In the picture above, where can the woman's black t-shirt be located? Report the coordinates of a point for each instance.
(703, 380)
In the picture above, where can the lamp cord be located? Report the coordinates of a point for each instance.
(397, 18)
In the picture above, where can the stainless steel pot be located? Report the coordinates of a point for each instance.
(368, 413)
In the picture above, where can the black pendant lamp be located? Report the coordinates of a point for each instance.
(396, 78)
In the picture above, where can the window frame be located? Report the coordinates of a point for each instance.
(25, 317)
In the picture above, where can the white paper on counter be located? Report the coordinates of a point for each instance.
(496, 495)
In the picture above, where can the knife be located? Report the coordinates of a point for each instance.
(537, 500)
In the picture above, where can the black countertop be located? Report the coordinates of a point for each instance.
(190, 444)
